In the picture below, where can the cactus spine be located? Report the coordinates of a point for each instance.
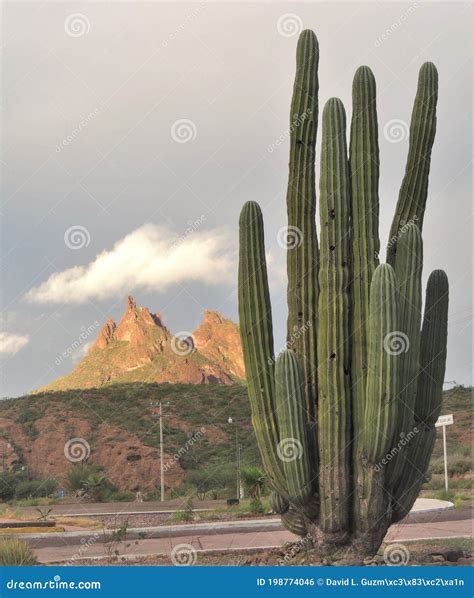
(344, 393)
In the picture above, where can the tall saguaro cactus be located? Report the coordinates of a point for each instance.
(344, 415)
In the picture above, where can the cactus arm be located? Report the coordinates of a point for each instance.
(365, 245)
(292, 417)
(302, 254)
(382, 377)
(256, 333)
(414, 189)
(294, 522)
(278, 503)
(333, 326)
(408, 269)
(429, 395)
(372, 508)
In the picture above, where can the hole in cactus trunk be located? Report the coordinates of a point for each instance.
(332, 356)
(332, 247)
(332, 214)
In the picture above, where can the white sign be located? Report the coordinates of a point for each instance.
(444, 420)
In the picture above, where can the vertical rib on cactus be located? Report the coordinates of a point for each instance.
(302, 255)
(414, 190)
(429, 395)
(292, 417)
(257, 338)
(408, 269)
(333, 326)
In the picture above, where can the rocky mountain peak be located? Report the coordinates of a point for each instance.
(141, 349)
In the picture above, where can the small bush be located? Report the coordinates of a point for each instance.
(35, 488)
(185, 514)
(256, 506)
(446, 495)
(16, 553)
(77, 476)
(459, 467)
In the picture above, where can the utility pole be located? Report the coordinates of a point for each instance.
(162, 470)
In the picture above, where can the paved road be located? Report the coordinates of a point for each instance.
(245, 540)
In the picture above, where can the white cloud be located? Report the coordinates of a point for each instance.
(12, 343)
(149, 258)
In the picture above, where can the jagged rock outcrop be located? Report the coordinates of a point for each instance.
(141, 349)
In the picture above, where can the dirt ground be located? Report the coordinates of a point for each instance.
(420, 554)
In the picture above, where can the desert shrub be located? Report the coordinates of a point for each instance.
(90, 480)
(99, 488)
(257, 506)
(186, 513)
(459, 467)
(8, 484)
(16, 553)
(446, 495)
(35, 488)
(77, 476)
(20, 485)
(464, 484)
(253, 480)
(206, 481)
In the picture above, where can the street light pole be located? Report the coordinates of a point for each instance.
(232, 420)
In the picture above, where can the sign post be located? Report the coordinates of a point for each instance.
(443, 421)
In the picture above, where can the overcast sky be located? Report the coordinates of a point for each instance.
(133, 133)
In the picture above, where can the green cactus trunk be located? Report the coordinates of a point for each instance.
(302, 241)
(333, 327)
(345, 420)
